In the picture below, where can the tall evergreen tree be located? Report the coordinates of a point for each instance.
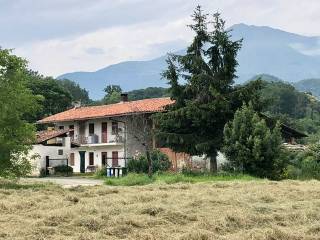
(207, 101)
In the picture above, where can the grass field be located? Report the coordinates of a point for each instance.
(210, 210)
(133, 179)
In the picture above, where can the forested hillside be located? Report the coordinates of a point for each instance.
(309, 85)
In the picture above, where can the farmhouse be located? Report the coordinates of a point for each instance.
(105, 136)
(87, 138)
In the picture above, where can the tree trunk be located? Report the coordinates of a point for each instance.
(213, 163)
(149, 163)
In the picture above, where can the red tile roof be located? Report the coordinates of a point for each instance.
(117, 109)
(49, 134)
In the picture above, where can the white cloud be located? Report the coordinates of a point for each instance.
(58, 34)
(136, 42)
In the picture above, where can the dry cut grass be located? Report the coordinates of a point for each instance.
(218, 210)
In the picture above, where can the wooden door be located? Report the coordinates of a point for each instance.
(104, 159)
(104, 132)
(115, 162)
(82, 131)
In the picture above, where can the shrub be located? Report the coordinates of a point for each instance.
(160, 162)
(251, 147)
(305, 165)
(138, 165)
(63, 169)
(100, 173)
(42, 172)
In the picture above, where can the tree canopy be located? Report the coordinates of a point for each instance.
(113, 94)
(251, 147)
(17, 101)
(55, 97)
(77, 93)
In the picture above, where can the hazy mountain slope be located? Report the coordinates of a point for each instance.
(288, 56)
(309, 85)
(275, 52)
(129, 75)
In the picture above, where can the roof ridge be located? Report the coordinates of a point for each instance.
(118, 103)
(116, 109)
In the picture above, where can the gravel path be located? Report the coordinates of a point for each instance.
(67, 181)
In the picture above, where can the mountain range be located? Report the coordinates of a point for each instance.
(289, 56)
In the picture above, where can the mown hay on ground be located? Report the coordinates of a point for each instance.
(218, 210)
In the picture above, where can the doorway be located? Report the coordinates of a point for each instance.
(104, 132)
(82, 161)
(115, 159)
(104, 159)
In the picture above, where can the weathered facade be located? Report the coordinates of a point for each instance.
(107, 136)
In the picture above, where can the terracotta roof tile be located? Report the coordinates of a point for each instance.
(117, 109)
(49, 134)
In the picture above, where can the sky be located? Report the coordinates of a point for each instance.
(60, 36)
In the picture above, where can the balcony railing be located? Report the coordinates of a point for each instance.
(94, 139)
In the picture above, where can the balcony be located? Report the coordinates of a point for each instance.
(94, 140)
(81, 139)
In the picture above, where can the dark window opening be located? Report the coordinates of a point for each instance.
(115, 128)
(60, 151)
(91, 129)
(91, 158)
(104, 159)
(61, 127)
(71, 128)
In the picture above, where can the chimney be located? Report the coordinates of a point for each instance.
(124, 97)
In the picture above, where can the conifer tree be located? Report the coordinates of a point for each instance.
(201, 83)
(251, 147)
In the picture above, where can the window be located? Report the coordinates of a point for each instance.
(91, 129)
(115, 128)
(104, 158)
(60, 151)
(91, 158)
(71, 160)
(61, 127)
(71, 128)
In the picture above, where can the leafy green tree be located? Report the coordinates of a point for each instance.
(208, 99)
(16, 134)
(251, 147)
(56, 98)
(77, 93)
(113, 94)
(150, 92)
(285, 99)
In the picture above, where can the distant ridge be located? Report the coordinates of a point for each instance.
(288, 56)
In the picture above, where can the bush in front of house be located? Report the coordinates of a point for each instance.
(160, 163)
(252, 147)
(63, 169)
(304, 165)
